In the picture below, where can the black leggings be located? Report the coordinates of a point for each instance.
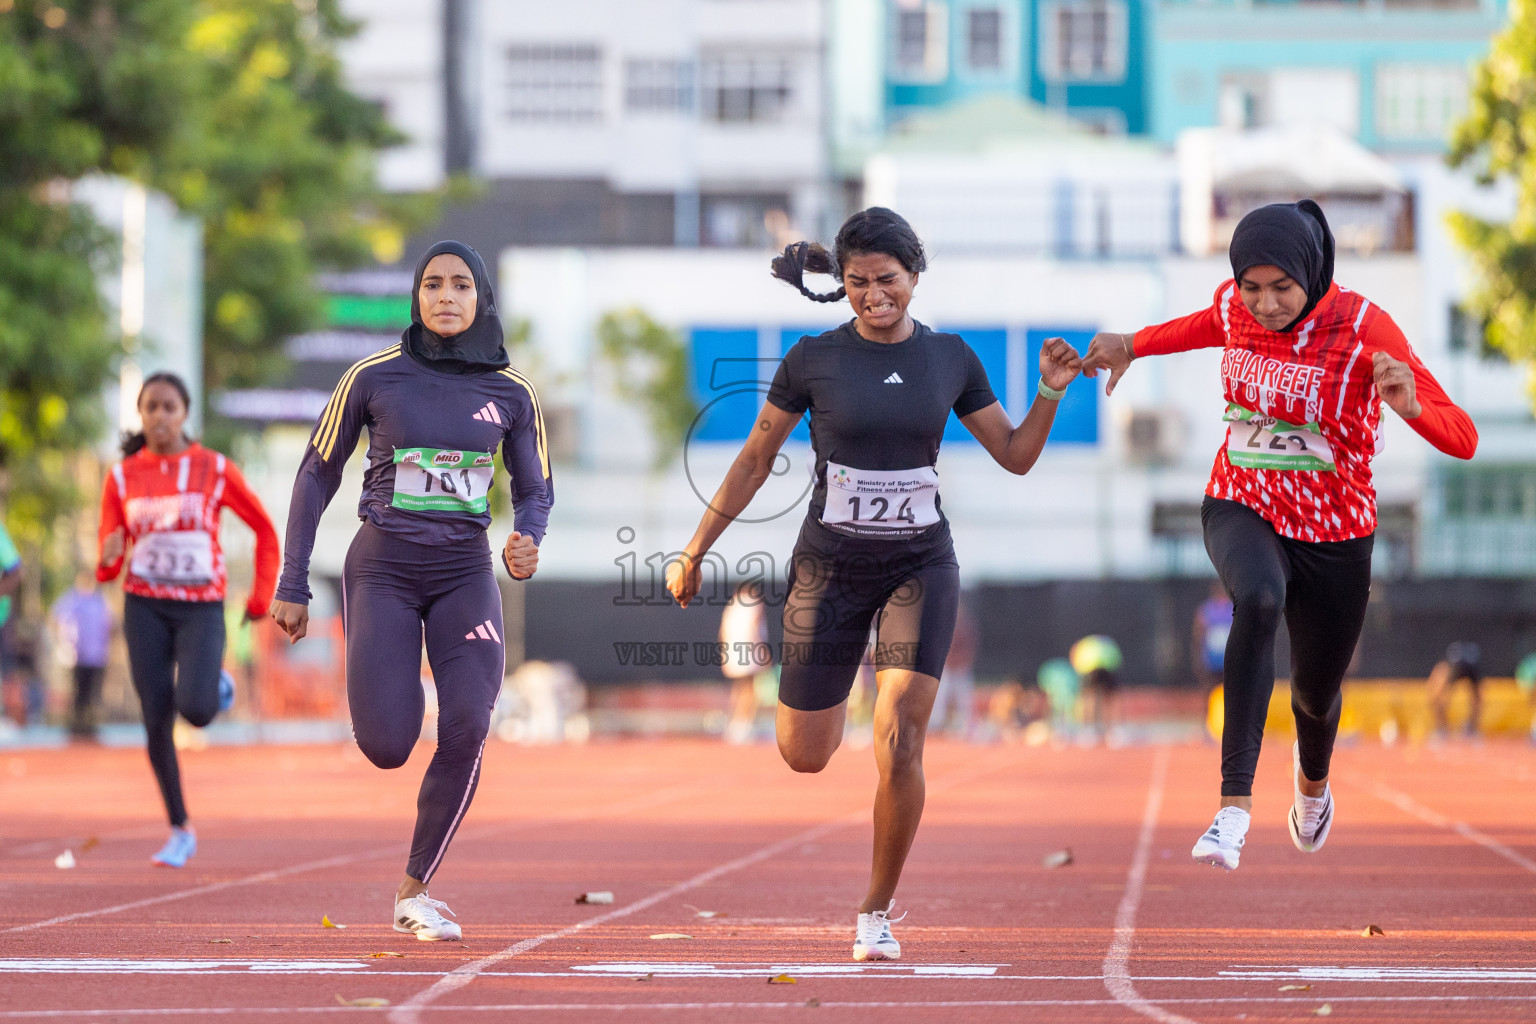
(175, 653)
(1323, 589)
(392, 588)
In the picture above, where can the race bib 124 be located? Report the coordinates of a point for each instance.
(872, 501)
(439, 480)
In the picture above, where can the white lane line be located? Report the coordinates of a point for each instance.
(1117, 962)
(407, 1012)
(394, 849)
(203, 890)
(672, 969)
(887, 1004)
(1420, 974)
(1403, 801)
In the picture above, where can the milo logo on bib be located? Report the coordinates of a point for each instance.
(442, 480)
(1259, 441)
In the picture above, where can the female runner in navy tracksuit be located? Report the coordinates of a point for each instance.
(436, 406)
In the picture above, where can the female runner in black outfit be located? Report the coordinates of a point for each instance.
(875, 542)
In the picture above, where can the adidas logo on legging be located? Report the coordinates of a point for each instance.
(484, 631)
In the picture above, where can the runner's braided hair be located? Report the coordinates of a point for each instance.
(136, 440)
(875, 230)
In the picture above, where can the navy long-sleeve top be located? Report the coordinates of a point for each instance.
(432, 441)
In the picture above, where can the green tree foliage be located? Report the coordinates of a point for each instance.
(1497, 140)
(652, 371)
(237, 111)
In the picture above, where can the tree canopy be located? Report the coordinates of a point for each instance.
(1497, 140)
(236, 109)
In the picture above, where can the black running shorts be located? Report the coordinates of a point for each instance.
(837, 586)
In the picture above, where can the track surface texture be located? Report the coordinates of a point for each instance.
(1436, 846)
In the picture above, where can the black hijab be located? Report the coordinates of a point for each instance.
(477, 349)
(1293, 237)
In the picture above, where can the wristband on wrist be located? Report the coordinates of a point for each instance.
(1049, 393)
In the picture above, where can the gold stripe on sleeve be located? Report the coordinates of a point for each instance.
(538, 417)
(330, 421)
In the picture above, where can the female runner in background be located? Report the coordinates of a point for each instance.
(1290, 512)
(436, 406)
(165, 496)
(875, 544)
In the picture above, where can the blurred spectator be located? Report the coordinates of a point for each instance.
(11, 653)
(1213, 623)
(1060, 683)
(542, 702)
(1525, 678)
(1097, 660)
(1463, 660)
(1013, 708)
(954, 705)
(747, 661)
(81, 626)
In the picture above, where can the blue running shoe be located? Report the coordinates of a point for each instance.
(178, 849)
(226, 691)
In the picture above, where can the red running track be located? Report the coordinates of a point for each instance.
(1437, 847)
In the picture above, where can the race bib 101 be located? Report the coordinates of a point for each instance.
(873, 501)
(1258, 441)
(174, 558)
(438, 480)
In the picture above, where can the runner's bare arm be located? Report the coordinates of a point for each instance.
(747, 474)
(1017, 448)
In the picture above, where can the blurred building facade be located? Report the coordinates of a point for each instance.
(1074, 165)
(602, 122)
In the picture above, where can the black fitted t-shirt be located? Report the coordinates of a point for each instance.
(878, 406)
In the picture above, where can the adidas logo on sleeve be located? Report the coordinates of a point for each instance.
(489, 414)
(894, 378)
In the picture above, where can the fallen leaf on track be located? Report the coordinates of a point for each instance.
(364, 1001)
(1323, 1011)
(703, 913)
(90, 844)
(215, 942)
(65, 860)
(1371, 929)
(1059, 859)
(783, 979)
(595, 897)
(671, 935)
(1294, 988)
(645, 977)
(375, 956)
(813, 1001)
(326, 922)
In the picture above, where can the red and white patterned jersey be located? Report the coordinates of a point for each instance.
(1304, 418)
(169, 506)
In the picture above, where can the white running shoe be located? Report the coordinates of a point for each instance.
(1222, 844)
(872, 938)
(1311, 817)
(420, 914)
(178, 849)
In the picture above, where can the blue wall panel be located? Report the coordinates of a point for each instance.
(723, 373)
(1077, 418)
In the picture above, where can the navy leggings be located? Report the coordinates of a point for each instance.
(1323, 589)
(394, 593)
(175, 652)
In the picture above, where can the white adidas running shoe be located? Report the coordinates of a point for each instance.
(872, 938)
(1311, 817)
(422, 915)
(1222, 844)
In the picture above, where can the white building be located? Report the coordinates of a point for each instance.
(605, 121)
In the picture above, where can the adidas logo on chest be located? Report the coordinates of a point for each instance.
(894, 378)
